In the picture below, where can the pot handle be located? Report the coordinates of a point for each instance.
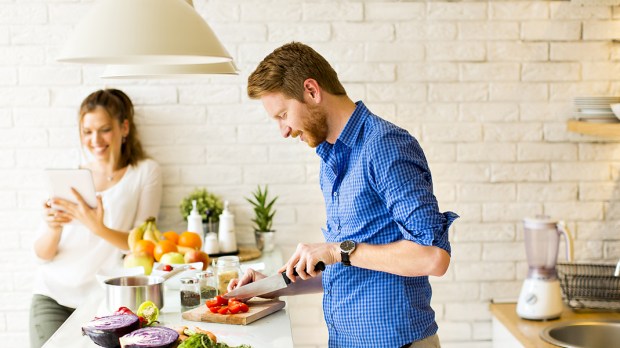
(175, 271)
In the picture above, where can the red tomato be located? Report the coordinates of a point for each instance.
(167, 268)
(123, 310)
(244, 307)
(223, 310)
(211, 303)
(234, 308)
(221, 301)
(214, 309)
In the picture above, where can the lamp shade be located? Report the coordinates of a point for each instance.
(143, 32)
(168, 71)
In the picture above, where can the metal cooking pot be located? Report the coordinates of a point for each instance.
(131, 291)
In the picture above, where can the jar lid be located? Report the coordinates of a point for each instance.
(227, 260)
(204, 274)
(189, 280)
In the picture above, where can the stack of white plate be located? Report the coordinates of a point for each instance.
(596, 109)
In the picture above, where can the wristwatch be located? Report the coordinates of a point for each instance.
(346, 249)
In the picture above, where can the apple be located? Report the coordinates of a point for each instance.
(139, 259)
(171, 258)
(192, 256)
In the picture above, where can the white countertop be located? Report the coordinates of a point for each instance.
(273, 331)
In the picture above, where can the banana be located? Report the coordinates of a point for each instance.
(157, 232)
(149, 232)
(136, 235)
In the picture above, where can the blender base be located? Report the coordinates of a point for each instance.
(540, 299)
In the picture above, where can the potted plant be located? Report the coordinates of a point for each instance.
(209, 206)
(263, 218)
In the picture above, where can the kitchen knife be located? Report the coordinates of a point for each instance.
(266, 285)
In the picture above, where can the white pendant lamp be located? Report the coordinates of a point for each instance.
(143, 32)
(168, 71)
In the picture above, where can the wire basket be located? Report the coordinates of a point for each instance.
(590, 286)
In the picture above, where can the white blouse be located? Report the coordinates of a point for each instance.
(70, 276)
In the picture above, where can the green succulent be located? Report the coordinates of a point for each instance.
(204, 201)
(263, 214)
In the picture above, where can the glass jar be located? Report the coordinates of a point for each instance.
(226, 268)
(208, 285)
(190, 293)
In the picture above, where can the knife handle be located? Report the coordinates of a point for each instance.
(318, 267)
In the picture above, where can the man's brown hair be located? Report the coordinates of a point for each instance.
(287, 67)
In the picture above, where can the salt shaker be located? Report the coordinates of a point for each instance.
(211, 246)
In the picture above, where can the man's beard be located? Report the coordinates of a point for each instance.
(315, 126)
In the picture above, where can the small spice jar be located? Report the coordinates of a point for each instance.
(190, 293)
(208, 285)
(227, 268)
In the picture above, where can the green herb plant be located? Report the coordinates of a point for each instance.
(263, 213)
(205, 202)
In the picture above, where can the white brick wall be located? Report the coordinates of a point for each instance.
(486, 86)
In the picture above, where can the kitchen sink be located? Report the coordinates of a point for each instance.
(583, 334)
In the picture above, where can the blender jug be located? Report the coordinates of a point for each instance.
(541, 296)
(542, 240)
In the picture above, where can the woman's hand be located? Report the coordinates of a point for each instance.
(54, 219)
(92, 218)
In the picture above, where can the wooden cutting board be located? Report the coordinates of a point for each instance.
(258, 309)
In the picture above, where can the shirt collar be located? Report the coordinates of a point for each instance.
(350, 132)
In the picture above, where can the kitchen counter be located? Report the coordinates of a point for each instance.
(273, 331)
(527, 331)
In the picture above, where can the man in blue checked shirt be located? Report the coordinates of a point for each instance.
(385, 234)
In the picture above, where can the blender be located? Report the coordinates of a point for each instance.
(541, 296)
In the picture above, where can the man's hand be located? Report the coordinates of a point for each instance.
(248, 277)
(307, 256)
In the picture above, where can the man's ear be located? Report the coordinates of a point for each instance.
(312, 88)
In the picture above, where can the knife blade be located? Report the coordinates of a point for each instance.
(266, 285)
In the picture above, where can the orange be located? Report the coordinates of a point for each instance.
(162, 247)
(172, 236)
(190, 240)
(145, 246)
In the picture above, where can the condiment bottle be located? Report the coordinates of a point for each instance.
(227, 268)
(194, 222)
(208, 285)
(227, 238)
(190, 293)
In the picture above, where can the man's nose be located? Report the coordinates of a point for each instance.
(284, 129)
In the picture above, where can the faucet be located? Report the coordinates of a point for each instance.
(617, 271)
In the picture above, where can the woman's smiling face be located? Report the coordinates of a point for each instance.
(102, 134)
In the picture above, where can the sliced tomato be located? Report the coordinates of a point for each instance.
(211, 303)
(221, 301)
(234, 308)
(214, 309)
(223, 310)
(243, 307)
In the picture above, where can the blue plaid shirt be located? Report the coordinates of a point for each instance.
(378, 189)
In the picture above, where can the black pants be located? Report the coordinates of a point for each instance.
(46, 316)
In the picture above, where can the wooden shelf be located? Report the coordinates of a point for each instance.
(596, 129)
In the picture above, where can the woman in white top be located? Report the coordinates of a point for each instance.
(77, 242)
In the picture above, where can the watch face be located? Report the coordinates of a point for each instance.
(347, 246)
